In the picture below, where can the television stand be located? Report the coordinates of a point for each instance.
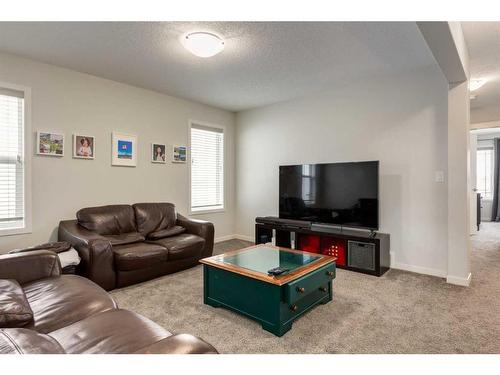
(356, 250)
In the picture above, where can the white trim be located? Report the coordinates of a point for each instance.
(234, 237)
(224, 238)
(462, 281)
(416, 269)
(205, 212)
(28, 157)
(244, 238)
(224, 168)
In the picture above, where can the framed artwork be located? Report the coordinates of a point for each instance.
(158, 153)
(123, 149)
(50, 144)
(179, 154)
(83, 146)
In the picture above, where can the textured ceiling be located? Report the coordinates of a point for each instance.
(483, 42)
(263, 62)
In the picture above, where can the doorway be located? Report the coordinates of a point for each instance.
(485, 197)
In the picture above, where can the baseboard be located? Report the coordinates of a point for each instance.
(462, 281)
(234, 237)
(244, 238)
(224, 238)
(416, 269)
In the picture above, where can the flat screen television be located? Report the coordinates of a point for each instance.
(342, 194)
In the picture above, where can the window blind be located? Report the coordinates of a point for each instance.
(207, 168)
(12, 214)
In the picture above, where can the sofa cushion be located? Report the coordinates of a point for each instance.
(15, 310)
(115, 219)
(27, 341)
(124, 238)
(164, 233)
(153, 217)
(182, 246)
(112, 332)
(59, 301)
(139, 255)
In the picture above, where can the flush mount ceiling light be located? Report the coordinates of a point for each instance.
(203, 44)
(476, 84)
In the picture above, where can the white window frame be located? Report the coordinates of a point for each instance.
(492, 148)
(28, 152)
(224, 182)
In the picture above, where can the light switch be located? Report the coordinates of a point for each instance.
(439, 176)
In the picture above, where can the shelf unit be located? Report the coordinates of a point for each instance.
(356, 250)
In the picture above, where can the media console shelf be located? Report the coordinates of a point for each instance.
(355, 250)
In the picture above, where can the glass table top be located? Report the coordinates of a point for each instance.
(263, 258)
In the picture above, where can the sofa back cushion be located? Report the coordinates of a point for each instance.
(153, 217)
(105, 220)
(15, 310)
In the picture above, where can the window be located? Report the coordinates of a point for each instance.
(13, 218)
(207, 168)
(484, 172)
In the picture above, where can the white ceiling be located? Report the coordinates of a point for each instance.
(483, 43)
(263, 62)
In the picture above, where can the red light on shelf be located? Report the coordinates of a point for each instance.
(309, 243)
(334, 247)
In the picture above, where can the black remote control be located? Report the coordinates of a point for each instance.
(277, 271)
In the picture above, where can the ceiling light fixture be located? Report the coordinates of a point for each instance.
(476, 84)
(203, 44)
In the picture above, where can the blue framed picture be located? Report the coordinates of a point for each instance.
(124, 150)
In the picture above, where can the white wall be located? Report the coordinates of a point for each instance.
(68, 102)
(399, 120)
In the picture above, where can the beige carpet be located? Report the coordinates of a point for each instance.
(400, 312)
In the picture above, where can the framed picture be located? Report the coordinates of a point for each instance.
(123, 149)
(158, 153)
(179, 154)
(83, 146)
(50, 144)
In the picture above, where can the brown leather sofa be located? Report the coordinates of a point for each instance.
(122, 245)
(42, 311)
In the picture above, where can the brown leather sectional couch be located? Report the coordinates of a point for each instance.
(122, 244)
(42, 311)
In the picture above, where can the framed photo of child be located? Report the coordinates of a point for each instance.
(83, 146)
(158, 153)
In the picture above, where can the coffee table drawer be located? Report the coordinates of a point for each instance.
(297, 289)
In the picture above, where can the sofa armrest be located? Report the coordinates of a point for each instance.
(27, 341)
(31, 266)
(179, 344)
(201, 228)
(95, 251)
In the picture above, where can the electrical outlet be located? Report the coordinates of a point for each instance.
(439, 176)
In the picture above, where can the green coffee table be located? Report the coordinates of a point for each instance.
(238, 280)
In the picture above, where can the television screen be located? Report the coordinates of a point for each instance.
(344, 194)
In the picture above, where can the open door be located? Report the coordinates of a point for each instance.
(473, 182)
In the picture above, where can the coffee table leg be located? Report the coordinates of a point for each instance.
(278, 329)
(212, 303)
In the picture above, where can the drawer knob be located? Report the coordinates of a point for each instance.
(323, 289)
(300, 290)
(330, 273)
(294, 307)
